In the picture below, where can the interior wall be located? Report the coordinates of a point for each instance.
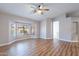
(37, 29)
(75, 36)
(4, 30)
(46, 29)
(5, 20)
(65, 29)
(43, 29)
(49, 30)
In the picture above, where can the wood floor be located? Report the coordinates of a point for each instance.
(40, 47)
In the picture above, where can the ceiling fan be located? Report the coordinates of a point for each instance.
(40, 9)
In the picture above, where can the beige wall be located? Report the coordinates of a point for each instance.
(49, 28)
(37, 29)
(74, 29)
(4, 30)
(46, 29)
(6, 19)
(65, 27)
(43, 29)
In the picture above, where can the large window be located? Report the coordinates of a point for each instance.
(21, 29)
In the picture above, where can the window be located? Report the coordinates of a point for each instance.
(22, 29)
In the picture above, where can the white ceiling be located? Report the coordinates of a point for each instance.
(24, 10)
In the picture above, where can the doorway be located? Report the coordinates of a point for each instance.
(75, 36)
(55, 29)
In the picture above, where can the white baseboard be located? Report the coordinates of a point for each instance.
(4, 44)
(68, 40)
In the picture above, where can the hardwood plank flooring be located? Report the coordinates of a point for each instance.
(40, 47)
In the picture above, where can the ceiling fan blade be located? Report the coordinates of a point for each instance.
(44, 9)
(33, 7)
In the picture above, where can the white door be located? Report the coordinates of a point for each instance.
(55, 29)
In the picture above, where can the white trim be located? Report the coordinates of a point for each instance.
(4, 44)
(68, 40)
(48, 38)
(29, 38)
(63, 40)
